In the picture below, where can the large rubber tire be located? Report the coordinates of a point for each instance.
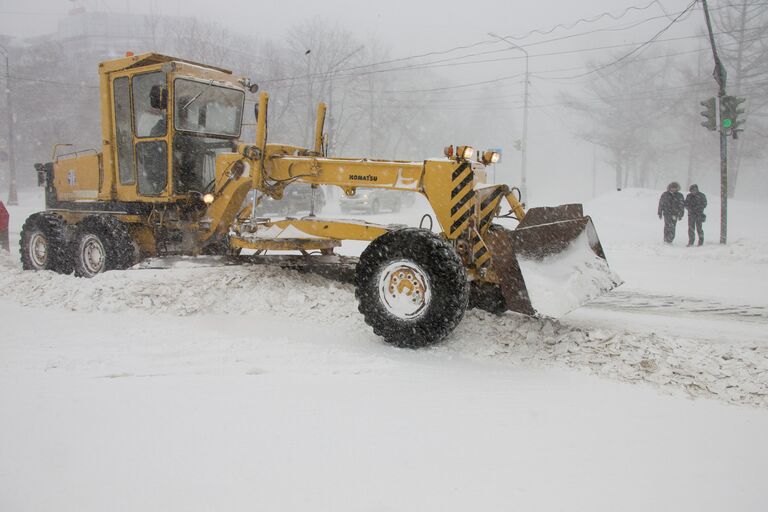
(445, 278)
(44, 244)
(101, 243)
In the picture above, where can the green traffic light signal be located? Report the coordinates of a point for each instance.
(730, 112)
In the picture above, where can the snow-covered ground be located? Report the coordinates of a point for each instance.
(206, 387)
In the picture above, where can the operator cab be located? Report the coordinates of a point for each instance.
(173, 116)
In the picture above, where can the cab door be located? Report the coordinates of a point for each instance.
(141, 135)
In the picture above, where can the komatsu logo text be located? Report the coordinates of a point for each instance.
(361, 177)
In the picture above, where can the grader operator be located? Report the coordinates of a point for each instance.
(172, 176)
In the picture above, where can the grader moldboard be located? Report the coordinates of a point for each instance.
(172, 177)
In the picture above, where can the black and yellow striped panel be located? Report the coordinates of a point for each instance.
(480, 252)
(488, 206)
(463, 180)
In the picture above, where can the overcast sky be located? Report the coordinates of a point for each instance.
(409, 26)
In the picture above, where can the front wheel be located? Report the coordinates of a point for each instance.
(412, 287)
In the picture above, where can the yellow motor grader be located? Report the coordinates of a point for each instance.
(172, 177)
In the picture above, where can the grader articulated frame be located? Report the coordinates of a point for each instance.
(172, 178)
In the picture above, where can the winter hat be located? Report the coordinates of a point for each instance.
(694, 188)
(674, 185)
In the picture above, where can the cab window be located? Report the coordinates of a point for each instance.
(152, 164)
(149, 121)
(123, 130)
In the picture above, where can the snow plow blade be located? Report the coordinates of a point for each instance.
(552, 263)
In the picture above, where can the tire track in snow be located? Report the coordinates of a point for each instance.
(675, 305)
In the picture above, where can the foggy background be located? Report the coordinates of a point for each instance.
(614, 86)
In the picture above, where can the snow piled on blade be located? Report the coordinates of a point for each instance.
(562, 282)
(737, 374)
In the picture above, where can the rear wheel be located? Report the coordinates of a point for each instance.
(102, 243)
(412, 287)
(43, 244)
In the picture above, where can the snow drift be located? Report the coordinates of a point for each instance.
(737, 374)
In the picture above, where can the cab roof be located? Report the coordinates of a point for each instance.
(147, 59)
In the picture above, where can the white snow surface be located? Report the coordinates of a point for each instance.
(200, 386)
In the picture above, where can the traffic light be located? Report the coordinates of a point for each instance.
(729, 114)
(710, 114)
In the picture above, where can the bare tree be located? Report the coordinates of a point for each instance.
(629, 111)
(742, 27)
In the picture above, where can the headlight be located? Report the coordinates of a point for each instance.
(491, 157)
(465, 152)
(208, 198)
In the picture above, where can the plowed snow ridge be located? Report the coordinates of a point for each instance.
(737, 374)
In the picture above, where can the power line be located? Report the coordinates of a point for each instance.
(549, 54)
(342, 73)
(591, 19)
(633, 51)
(494, 41)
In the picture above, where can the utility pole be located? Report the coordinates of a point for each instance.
(524, 149)
(12, 195)
(720, 76)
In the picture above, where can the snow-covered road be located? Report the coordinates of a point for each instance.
(131, 411)
(202, 387)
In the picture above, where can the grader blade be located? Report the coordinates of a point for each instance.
(552, 263)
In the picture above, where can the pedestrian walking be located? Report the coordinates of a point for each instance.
(695, 202)
(671, 209)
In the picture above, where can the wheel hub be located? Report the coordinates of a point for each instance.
(404, 289)
(93, 254)
(38, 250)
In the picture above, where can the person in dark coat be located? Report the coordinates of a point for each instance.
(672, 209)
(695, 201)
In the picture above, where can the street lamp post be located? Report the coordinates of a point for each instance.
(524, 148)
(331, 119)
(308, 127)
(12, 196)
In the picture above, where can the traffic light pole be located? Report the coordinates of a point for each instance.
(720, 77)
(723, 186)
